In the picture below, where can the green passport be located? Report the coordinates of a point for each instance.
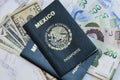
(59, 38)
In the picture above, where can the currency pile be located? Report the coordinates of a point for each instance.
(99, 19)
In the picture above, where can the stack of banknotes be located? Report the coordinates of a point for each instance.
(99, 19)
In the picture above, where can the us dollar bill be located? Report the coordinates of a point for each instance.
(12, 39)
(6, 46)
(23, 16)
(7, 40)
(10, 27)
(106, 62)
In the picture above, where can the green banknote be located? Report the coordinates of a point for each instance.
(98, 22)
(106, 62)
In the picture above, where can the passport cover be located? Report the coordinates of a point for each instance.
(34, 55)
(59, 38)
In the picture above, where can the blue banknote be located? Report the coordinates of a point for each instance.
(81, 15)
(112, 8)
(91, 10)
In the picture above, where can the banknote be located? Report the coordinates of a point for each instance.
(115, 10)
(106, 62)
(85, 10)
(103, 15)
(23, 15)
(102, 23)
(22, 4)
(80, 12)
(106, 3)
(7, 40)
(101, 9)
(106, 35)
(81, 15)
(12, 39)
(7, 47)
(112, 8)
(85, 4)
(10, 27)
(95, 8)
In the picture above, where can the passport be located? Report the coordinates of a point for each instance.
(34, 55)
(59, 38)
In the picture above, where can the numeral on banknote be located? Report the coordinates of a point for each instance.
(83, 3)
(102, 16)
(95, 9)
(111, 53)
